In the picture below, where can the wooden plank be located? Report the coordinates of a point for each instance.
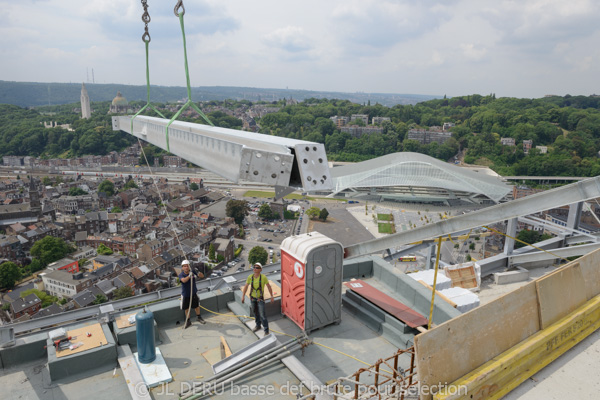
(590, 271)
(457, 347)
(559, 293)
(122, 321)
(505, 372)
(465, 277)
(96, 339)
(438, 293)
(225, 348)
(390, 305)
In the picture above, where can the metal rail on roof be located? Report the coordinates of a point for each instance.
(238, 155)
(118, 305)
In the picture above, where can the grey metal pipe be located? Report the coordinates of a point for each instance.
(245, 371)
(262, 357)
(267, 354)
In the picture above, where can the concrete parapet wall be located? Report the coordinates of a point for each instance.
(558, 307)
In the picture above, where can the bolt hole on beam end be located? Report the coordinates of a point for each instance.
(314, 148)
(320, 161)
(273, 176)
(309, 179)
(305, 161)
(255, 172)
(307, 148)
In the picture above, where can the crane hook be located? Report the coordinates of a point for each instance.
(177, 7)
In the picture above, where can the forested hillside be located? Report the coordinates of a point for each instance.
(569, 126)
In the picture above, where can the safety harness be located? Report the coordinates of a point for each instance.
(258, 290)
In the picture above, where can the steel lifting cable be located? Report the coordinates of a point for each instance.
(146, 39)
(189, 102)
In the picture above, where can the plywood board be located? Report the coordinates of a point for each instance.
(590, 270)
(122, 321)
(559, 293)
(508, 370)
(465, 277)
(212, 356)
(96, 339)
(276, 291)
(456, 347)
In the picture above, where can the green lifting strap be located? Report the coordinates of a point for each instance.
(147, 42)
(189, 90)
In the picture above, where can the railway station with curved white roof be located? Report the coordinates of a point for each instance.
(414, 177)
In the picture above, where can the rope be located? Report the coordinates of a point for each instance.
(437, 263)
(146, 39)
(189, 90)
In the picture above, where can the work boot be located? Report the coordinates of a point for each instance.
(202, 321)
(256, 328)
(188, 324)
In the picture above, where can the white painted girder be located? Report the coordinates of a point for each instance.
(237, 155)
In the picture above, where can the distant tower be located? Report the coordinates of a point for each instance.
(86, 111)
(34, 198)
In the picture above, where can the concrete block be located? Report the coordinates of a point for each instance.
(128, 336)
(517, 275)
(101, 358)
(350, 271)
(223, 297)
(165, 312)
(365, 269)
(26, 349)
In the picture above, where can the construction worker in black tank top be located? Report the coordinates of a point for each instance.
(257, 283)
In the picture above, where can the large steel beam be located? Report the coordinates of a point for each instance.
(569, 194)
(237, 155)
(554, 253)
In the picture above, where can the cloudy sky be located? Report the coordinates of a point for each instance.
(520, 48)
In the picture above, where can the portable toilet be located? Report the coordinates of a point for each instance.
(311, 280)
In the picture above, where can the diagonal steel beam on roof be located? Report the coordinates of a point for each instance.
(569, 194)
(237, 155)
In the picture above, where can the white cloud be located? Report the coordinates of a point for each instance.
(472, 52)
(290, 38)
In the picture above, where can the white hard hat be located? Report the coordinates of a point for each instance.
(185, 262)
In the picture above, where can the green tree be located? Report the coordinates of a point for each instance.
(313, 212)
(211, 252)
(9, 274)
(323, 214)
(242, 232)
(237, 209)
(130, 184)
(50, 249)
(100, 298)
(107, 187)
(472, 246)
(123, 292)
(194, 186)
(36, 265)
(75, 191)
(116, 209)
(258, 254)
(104, 250)
(468, 257)
(265, 211)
